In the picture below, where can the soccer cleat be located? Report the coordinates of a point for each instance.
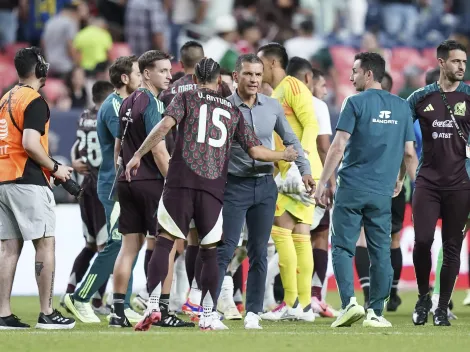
(81, 310)
(374, 321)
(440, 318)
(307, 315)
(211, 322)
(422, 309)
(251, 321)
(282, 312)
(132, 315)
(240, 307)
(103, 310)
(466, 301)
(322, 309)
(12, 322)
(55, 321)
(225, 304)
(190, 308)
(141, 300)
(451, 315)
(349, 315)
(170, 320)
(151, 316)
(393, 303)
(116, 321)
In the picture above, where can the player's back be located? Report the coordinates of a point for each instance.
(107, 128)
(139, 113)
(379, 123)
(89, 150)
(207, 123)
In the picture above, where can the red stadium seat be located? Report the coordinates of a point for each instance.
(429, 57)
(404, 57)
(344, 91)
(343, 58)
(11, 49)
(398, 81)
(7, 74)
(120, 49)
(54, 89)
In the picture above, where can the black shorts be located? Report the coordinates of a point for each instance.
(93, 217)
(179, 206)
(323, 225)
(398, 211)
(139, 201)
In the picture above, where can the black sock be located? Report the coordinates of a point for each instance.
(190, 261)
(397, 264)
(320, 265)
(238, 281)
(80, 266)
(362, 267)
(118, 303)
(148, 255)
(165, 301)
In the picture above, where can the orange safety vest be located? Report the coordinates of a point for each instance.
(13, 157)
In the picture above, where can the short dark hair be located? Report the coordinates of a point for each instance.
(207, 71)
(372, 62)
(307, 26)
(147, 59)
(176, 76)
(433, 75)
(297, 66)
(122, 66)
(317, 73)
(26, 60)
(250, 58)
(276, 50)
(191, 53)
(100, 90)
(245, 25)
(387, 86)
(447, 46)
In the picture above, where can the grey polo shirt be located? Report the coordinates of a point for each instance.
(266, 116)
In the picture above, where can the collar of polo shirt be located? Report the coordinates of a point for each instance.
(260, 99)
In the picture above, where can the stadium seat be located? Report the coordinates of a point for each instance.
(344, 91)
(7, 74)
(120, 49)
(54, 89)
(398, 81)
(11, 49)
(343, 57)
(429, 57)
(403, 57)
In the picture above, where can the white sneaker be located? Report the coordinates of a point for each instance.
(226, 304)
(349, 315)
(103, 310)
(141, 300)
(82, 310)
(308, 316)
(132, 315)
(252, 321)
(466, 301)
(282, 312)
(374, 321)
(211, 322)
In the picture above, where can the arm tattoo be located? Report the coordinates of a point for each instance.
(39, 266)
(51, 294)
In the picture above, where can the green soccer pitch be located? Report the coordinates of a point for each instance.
(282, 336)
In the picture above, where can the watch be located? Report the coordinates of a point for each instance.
(56, 167)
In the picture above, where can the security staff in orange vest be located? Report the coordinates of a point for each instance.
(26, 200)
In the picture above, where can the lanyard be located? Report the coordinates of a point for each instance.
(446, 103)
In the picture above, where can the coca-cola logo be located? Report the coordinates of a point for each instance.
(443, 124)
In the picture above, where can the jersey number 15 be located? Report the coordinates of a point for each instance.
(202, 126)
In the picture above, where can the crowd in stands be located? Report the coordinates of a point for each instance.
(81, 38)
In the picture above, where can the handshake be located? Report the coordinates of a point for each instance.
(293, 186)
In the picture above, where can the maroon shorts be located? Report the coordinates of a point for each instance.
(323, 225)
(139, 201)
(179, 206)
(94, 218)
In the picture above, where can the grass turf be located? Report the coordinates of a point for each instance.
(282, 336)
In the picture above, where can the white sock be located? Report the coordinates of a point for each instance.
(273, 271)
(154, 300)
(178, 295)
(195, 294)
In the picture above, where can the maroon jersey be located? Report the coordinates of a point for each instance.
(443, 159)
(140, 112)
(207, 125)
(89, 150)
(184, 84)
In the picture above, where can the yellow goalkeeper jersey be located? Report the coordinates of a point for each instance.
(296, 100)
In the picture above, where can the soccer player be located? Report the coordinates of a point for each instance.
(362, 255)
(292, 219)
(86, 160)
(139, 114)
(190, 53)
(194, 188)
(375, 135)
(125, 76)
(443, 185)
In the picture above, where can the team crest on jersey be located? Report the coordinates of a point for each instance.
(460, 109)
